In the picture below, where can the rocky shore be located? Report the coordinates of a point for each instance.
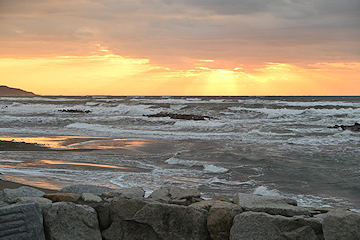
(96, 212)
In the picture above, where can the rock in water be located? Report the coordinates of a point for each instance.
(64, 221)
(21, 221)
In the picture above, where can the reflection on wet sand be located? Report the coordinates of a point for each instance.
(54, 162)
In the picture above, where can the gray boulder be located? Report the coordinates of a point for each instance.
(150, 220)
(271, 204)
(10, 195)
(21, 221)
(65, 220)
(41, 201)
(89, 197)
(176, 195)
(263, 226)
(135, 192)
(220, 217)
(341, 224)
(84, 188)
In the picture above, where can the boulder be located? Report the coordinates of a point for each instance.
(89, 197)
(271, 204)
(220, 219)
(263, 226)
(41, 201)
(84, 188)
(10, 195)
(354, 128)
(62, 197)
(176, 195)
(341, 224)
(65, 220)
(135, 192)
(21, 221)
(140, 218)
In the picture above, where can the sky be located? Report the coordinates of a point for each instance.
(182, 47)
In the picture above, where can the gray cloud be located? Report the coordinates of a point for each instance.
(169, 31)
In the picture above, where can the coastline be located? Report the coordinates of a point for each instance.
(13, 185)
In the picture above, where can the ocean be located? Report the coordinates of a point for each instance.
(279, 146)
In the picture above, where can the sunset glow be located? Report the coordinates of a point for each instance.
(183, 48)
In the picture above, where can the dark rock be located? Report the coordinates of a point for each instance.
(62, 197)
(353, 128)
(14, 92)
(74, 111)
(21, 221)
(263, 226)
(340, 224)
(64, 221)
(181, 116)
(84, 188)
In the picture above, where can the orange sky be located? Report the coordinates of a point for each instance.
(165, 47)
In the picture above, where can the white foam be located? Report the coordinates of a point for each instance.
(189, 163)
(215, 169)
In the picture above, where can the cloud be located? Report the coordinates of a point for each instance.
(178, 33)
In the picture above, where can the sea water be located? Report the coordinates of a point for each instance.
(265, 145)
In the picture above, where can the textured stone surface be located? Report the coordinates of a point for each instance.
(10, 195)
(340, 224)
(176, 195)
(220, 219)
(41, 201)
(21, 221)
(135, 192)
(62, 197)
(89, 197)
(271, 205)
(148, 220)
(84, 188)
(263, 226)
(65, 220)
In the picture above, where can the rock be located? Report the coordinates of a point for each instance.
(21, 221)
(74, 111)
(3, 204)
(135, 192)
(220, 219)
(8, 91)
(89, 197)
(271, 205)
(141, 218)
(41, 201)
(84, 188)
(354, 128)
(103, 211)
(171, 194)
(62, 197)
(340, 224)
(263, 226)
(9, 195)
(181, 116)
(65, 220)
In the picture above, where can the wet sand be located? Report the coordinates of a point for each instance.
(11, 185)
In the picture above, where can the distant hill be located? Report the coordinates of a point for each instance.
(14, 92)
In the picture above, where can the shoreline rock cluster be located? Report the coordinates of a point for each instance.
(97, 212)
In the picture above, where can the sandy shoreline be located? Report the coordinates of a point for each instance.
(11, 185)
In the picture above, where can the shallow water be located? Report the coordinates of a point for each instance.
(271, 145)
